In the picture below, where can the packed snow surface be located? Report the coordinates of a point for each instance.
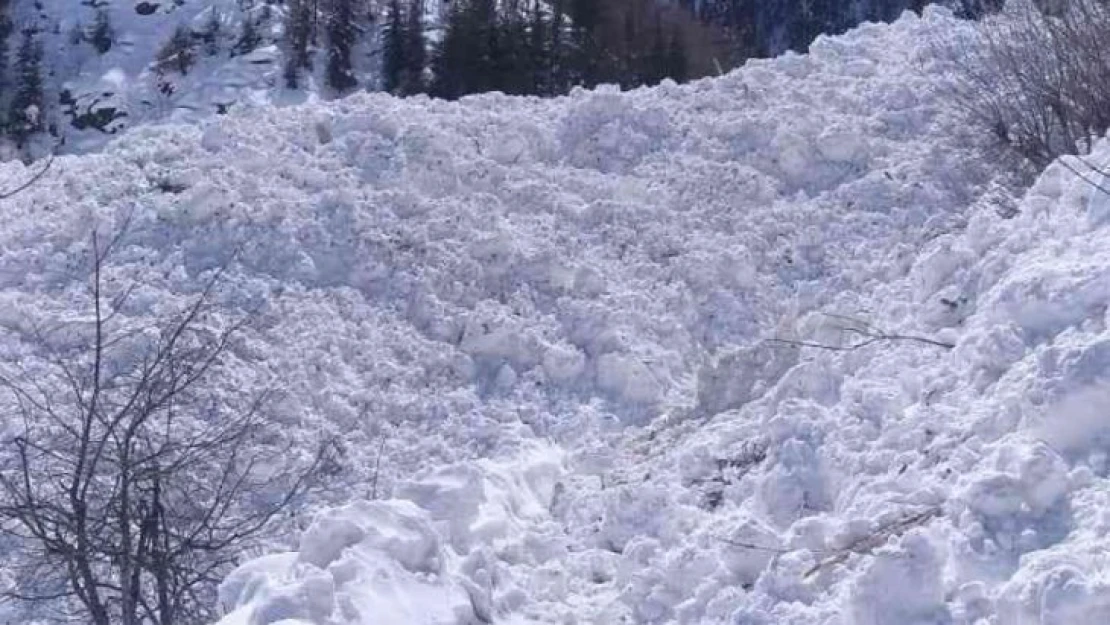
(543, 331)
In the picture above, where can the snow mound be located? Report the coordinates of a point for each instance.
(539, 330)
(398, 562)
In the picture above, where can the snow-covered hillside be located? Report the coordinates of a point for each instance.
(546, 323)
(104, 91)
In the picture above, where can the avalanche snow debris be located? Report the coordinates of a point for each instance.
(543, 323)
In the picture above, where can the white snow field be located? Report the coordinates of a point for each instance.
(551, 317)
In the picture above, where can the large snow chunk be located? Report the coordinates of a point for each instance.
(902, 584)
(738, 377)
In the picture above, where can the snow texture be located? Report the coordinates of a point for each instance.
(550, 317)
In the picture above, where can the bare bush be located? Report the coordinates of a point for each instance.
(1037, 76)
(128, 487)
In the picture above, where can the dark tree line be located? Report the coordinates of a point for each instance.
(527, 47)
(541, 48)
(342, 23)
(547, 47)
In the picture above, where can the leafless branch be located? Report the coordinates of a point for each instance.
(868, 333)
(131, 492)
(30, 181)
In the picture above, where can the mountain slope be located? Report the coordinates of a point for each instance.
(546, 322)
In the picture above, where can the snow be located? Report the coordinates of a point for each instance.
(545, 324)
(104, 94)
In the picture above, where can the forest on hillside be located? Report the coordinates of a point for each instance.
(544, 47)
(444, 48)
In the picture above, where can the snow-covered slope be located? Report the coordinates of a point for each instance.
(552, 317)
(102, 93)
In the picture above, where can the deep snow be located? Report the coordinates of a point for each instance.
(552, 316)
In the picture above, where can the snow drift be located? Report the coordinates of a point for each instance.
(545, 323)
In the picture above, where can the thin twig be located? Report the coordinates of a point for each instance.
(377, 467)
(42, 172)
(753, 546)
(866, 544)
(1082, 176)
(864, 329)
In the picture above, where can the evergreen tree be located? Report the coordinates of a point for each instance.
(394, 48)
(585, 55)
(298, 33)
(463, 59)
(178, 53)
(249, 37)
(102, 35)
(555, 80)
(541, 51)
(26, 111)
(415, 50)
(675, 63)
(510, 69)
(210, 36)
(5, 32)
(341, 40)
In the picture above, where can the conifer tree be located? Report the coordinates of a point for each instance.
(5, 32)
(298, 33)
(178, 53)
(341, 40)
(393, 44)
(102, 35)
(26, 112)
(676, 61)
(540, 52)
(249, 37)
(210, 36)
(585, 54)
(450, 64)
(415, 50)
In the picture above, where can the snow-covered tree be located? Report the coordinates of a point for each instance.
(249, 36)
(25, 116)
(210, 35)
(102, 35)
(179, 52)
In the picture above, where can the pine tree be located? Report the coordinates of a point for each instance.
(540, 52)
(341, 40)
(555, 71)
(415, 50)
(298, 33)
(675, 61)
(507, 69)
(102, 35)
(393, 44)
(585, 55)
(178, 53)
(210, 36)
(464, 59)
(249, 37)
(5, 32)
(26, 111)
(450, 72)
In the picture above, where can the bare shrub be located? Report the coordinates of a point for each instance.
(128, 486)
(1037, 75)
